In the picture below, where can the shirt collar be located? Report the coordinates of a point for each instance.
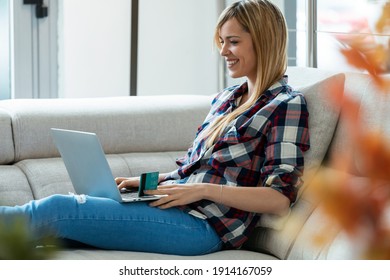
(276, 88)
(270, 93)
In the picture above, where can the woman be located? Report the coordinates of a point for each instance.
(246, 159)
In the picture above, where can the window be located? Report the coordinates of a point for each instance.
(343, 22)
(28, 57)
(319, 28)
(5, 61)
(93, 48)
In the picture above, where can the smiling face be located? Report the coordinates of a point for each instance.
(237, 49)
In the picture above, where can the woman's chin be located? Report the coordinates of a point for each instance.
(235, 75)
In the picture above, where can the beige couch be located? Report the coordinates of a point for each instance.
(147, 133)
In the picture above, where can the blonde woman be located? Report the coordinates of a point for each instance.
(246, 158)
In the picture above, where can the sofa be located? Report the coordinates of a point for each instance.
(144, 133)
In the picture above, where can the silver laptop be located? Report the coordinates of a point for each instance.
(88, 168)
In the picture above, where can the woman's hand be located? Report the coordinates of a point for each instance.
(250, 199)
(127, 183)
(177, 195)
(133, 182)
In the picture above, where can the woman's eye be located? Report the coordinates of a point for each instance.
(234, 43)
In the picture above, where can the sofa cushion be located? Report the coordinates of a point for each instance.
(49, 176)
(46, 176)
(374, 106)
(14, 186)
(95, 254)
(6, 143)
(323, 117)
(278, 241)
(145, 162)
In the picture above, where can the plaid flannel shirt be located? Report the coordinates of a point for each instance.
(262, 147)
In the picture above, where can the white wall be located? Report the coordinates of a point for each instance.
(176, 52)
(279, 3)
(94, 48)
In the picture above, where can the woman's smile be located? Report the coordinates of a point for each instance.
(231, 62)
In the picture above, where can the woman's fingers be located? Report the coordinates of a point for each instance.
(119, 180)
(126, 183)
(176, 195)
(165, 202)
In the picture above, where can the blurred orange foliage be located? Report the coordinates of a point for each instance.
(361, 207)
(369, 58)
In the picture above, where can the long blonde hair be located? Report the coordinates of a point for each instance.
(267, 27)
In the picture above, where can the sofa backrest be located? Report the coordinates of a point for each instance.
(119, 122)
(6, 142)
(280, 236)
(316, 86)
(373, 109)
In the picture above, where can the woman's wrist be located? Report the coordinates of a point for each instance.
(220, 193)
(162, 176)
(214, 192)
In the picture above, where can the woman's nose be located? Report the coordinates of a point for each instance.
(224, 51)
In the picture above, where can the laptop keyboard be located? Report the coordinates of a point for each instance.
(128, 195)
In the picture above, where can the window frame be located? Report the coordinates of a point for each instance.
(33, 50)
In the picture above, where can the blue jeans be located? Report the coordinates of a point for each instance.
(107, 224)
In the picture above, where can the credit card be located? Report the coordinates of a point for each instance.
(148, 181)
